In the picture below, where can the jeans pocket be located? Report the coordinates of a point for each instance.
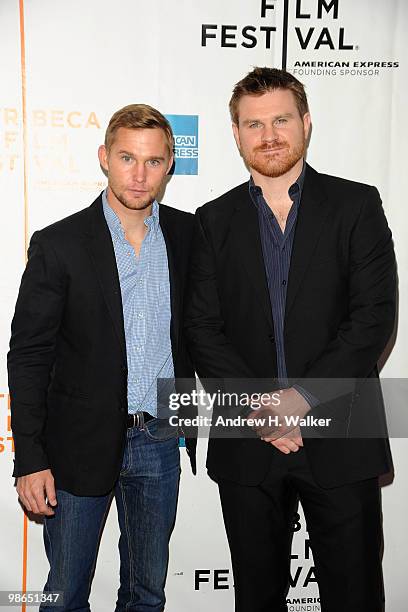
(160, 430)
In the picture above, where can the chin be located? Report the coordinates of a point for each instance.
(136, 204)
(139, 205)
(276, 168)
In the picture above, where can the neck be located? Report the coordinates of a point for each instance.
(131, 220)
(275, 189)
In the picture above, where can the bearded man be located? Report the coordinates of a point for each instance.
(293, 281)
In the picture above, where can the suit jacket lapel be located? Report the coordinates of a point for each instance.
(173, 246)
(245, 231)
(312, 214)
(100, 248)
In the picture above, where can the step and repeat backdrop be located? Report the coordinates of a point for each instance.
(65, 68)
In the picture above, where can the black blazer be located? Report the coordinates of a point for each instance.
(340, 312)
(67, 361)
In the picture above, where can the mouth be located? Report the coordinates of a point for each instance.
(138, 192)
(273, 150)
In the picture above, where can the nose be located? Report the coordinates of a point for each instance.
(269, 133)
(139, 173)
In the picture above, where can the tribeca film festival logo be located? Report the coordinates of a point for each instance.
(53, 136)
(185, 130)
(310, 26)
(308, 37)
(302, 576)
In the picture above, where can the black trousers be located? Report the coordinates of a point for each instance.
(345, 531)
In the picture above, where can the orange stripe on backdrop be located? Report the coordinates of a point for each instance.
(24, 114)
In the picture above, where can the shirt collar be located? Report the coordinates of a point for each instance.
(113, 221)
(294, 191)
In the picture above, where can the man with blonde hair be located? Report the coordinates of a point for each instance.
(97, 323)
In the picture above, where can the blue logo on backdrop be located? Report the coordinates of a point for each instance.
(185, 130)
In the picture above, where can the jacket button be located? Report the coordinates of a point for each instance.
(271, 337)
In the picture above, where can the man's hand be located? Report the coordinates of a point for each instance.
(35, 490)
(289, 443)
(276, 418)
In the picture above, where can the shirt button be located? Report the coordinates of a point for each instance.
(139, 349)
(140, 315)
(283, 282)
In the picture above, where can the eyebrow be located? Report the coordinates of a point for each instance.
(159, 157)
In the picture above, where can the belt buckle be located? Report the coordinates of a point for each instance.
(138, 420)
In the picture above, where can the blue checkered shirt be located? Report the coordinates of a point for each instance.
(145, 288)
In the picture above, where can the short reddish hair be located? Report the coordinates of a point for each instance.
(262, 80)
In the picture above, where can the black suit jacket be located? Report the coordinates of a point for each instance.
(340, 312)
(67, 361)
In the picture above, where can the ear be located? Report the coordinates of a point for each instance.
(307, 122)
(171, 160)
(235, 130)
(103, 157)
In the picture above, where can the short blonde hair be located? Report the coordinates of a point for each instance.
(138, 116)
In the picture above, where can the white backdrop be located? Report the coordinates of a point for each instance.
(81, 61)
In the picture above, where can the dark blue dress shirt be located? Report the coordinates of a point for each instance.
(277, 250)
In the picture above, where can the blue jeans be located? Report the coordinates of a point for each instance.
(146, 500)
